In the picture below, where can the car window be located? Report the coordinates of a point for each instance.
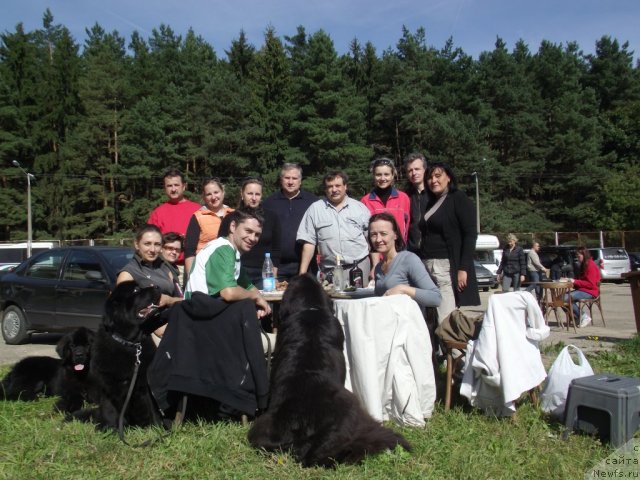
(79, 263)
(46, 265)
(117, 259)
(614, 254)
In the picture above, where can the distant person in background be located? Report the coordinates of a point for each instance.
(513, 266)
(586, 284)
(269, 241)
(289, 204)
(535, 269)
(448, 243)
(385, 197)
(204, 224)
(415, 166)
(171, 250)
(175, 213)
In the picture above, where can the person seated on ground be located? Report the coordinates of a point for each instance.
(217, 270)
(148, 268)
(586, 284)
(171, 249)
(204, 224)
(399, 271)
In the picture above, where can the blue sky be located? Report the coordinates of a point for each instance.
(473, 24)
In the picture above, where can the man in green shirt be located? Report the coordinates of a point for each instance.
(217, 271)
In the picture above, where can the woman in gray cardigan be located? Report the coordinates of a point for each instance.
(399, 271)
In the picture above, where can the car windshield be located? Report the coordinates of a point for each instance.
(118, 258)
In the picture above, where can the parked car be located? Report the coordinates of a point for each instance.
(560, 259)
(484, 277)
(613, 262)
(59, 290)
(634, 258)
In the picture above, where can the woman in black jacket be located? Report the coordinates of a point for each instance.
(513, 266)
(449, 234)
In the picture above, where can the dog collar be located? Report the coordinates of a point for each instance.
(125, 342)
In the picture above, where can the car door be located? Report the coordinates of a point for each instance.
(82, 290)
(34, 288)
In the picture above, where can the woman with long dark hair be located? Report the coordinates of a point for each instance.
(449, 235)
(586, 283)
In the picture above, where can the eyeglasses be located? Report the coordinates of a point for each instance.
(172, 249)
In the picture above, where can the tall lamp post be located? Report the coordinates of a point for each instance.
(29, 231)
(475, 174)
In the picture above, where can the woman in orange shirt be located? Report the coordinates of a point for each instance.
(205, 223)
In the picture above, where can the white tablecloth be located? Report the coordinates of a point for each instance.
(388, 354)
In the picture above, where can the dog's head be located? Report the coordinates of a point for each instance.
(75, 349)
(304, 292)
(129, 308)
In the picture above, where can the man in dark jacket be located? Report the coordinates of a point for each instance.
(290, 203)
(415, 166)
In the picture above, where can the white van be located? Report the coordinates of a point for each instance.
(486, 246)
(12, 254)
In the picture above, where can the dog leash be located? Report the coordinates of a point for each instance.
(132, 384)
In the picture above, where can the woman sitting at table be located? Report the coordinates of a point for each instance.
(586, 284)
(399, 271)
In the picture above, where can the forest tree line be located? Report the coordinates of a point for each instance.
(553, 135)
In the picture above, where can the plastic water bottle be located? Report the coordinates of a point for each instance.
(268, 280)
(338, 275)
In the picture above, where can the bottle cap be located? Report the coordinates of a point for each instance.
(267, 255)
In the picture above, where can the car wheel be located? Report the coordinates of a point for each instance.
(14, 326)
(485, 289)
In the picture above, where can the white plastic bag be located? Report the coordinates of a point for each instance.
(562, 371)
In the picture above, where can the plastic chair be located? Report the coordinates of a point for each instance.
(555, 295)
(589, 303)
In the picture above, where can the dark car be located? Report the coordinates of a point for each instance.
(59, 290)
(484, 277)
(634, 258)
(561, 260)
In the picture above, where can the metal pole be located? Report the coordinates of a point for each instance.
(29, 229)
(475, 174)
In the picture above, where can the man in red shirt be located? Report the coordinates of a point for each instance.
(174, 215)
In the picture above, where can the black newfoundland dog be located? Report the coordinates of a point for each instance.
(67, 377)
(123, 349)
(310, 412)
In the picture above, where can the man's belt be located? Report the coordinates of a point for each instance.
(352, 265)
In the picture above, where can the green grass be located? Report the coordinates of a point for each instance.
(462, 443)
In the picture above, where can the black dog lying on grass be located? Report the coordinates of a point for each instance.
(131, 314)
(67, 377)
(310, 412)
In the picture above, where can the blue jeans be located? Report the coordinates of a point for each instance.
(575, 296)
(510, 279)
(534, 278)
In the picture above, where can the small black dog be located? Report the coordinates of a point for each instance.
(310, 412)
(123, 339)
(67, 377)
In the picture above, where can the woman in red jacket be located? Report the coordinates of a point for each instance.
(586, 284)
(385, 197)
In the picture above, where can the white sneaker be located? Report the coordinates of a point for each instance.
(584, 320)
